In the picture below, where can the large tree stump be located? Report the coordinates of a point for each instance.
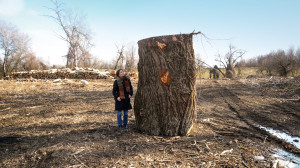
(165, 100)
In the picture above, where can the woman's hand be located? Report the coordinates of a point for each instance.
(129, 96)
(119, 98)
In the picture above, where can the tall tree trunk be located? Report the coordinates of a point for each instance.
(6, 55)
(4, 69)
(165, 100)
(230, 72)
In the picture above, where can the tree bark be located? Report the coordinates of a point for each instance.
(165, 100)
(230, 72)
(5, 60)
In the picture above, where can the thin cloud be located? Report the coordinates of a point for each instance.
(11, 7)
(33, 12)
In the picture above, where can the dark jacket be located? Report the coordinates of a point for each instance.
(124, 104)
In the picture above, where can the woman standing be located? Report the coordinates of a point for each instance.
(122, 92)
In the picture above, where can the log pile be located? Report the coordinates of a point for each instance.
(78, 73)
(67, 73)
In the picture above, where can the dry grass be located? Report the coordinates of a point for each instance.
(68, 124)
(243, 72)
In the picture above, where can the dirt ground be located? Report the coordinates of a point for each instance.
(67, 124)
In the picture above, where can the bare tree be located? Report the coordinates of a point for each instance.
(252, 62)
(120, 57)
(7, 42)
(130, 59)
(200, 65)
(230, 59)
(74, 33)
(14, 46)
(95, 62)
(32, 62)
(297, 54)
(284, 63)
(278, 63)
(265, 64)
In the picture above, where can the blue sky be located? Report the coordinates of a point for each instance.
(257, 26)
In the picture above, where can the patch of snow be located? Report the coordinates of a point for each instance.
(281, 135)
(56, 80)
(285, 159)
(84, 82)
(53, 70)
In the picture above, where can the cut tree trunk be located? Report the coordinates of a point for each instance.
(165, 100)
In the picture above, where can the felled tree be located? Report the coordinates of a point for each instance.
(165, 100)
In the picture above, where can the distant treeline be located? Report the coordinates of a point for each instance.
(280, 62)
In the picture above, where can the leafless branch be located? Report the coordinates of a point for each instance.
(74, 33)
